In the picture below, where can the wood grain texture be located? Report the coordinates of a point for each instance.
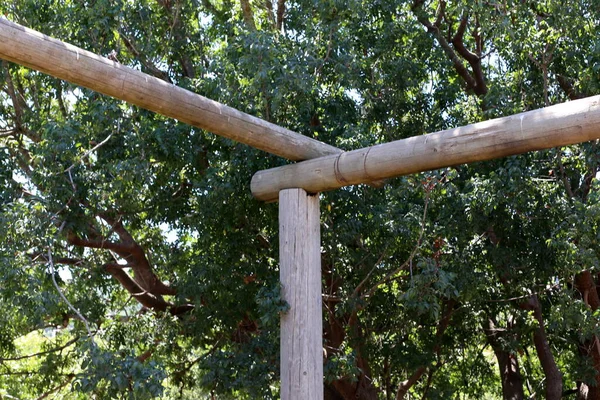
(568, 123)
(300, 273)
(37, 51)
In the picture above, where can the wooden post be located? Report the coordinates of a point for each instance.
(300, 273)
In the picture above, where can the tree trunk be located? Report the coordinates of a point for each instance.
(447, 311)
(359, 387)
(407, 384)
(585, 284)
(510, 375)
(554, 384)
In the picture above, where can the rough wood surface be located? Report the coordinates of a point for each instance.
(300, 272)
(64, 61)
(568, 123)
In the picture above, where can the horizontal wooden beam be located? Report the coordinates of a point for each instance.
(559, 125)
(64, 61)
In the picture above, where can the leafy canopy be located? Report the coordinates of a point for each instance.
(134, 262)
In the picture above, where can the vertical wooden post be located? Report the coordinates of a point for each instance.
(300, 274)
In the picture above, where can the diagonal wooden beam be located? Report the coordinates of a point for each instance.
(51, 56)
(560, 125)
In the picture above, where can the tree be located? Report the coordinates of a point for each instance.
(133, 241)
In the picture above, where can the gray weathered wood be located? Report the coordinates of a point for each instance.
(568, 123)
(37, 51)
(300, 272)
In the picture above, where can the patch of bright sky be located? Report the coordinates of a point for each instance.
(205, 20)
(170, 234)
(355, 96)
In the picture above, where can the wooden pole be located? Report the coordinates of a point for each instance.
(559, 125)
(300, 273)
(37, 51)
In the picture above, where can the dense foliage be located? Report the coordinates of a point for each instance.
(134, 262)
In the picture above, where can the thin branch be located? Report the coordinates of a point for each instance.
(428, 382)
(335, 299)
(148, 353)
(441, 13)
(87, 153)
(17, 104)
(41, 353)
(364, 281)
(70, 377)
(329, 46)
(61, 102)
(525, 296)
(407, 384)
(447, 312)
(63, 260)
(8, 133)
(198, 359)
(406, 263)
(62, 295)
(150, 67)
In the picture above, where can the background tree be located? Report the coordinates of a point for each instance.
(133, 242)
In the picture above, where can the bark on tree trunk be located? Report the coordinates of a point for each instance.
(510, 375)
(447, 311)
(585, 284)
(359, 387)
(554, 384)
(407, 384)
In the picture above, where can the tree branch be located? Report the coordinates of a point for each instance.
(272, 18)
(144, 276)
(474, 82)
(280, 14)
(99, 244)
(390, 276)
(180, 35)
(70, 377)
(145, 298)
(563, 176)
(554, 382)
(407, 384)
(87, 153)
(248, 14)
(64, 298)
(567, 87)
(448, 311)
(17, 105)
(8, 133)
(41, 353)
(150, 67)
(473, 59)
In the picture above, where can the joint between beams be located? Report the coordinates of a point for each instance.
(336, 169)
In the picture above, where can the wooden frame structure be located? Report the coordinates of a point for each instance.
(297, 186)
